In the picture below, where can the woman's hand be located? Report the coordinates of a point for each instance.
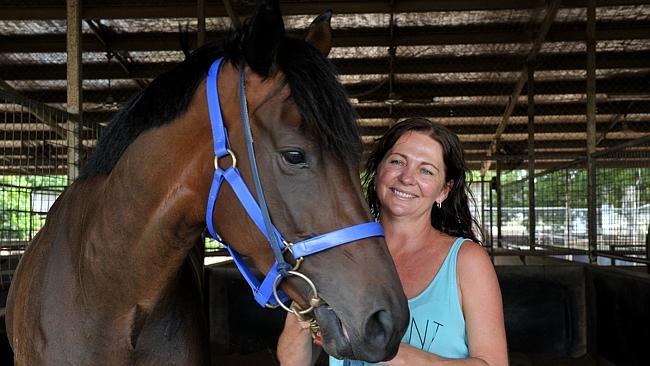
(296, 346)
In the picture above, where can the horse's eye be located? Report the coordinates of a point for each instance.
(294, 157)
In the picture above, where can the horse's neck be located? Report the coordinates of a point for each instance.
(150, 213)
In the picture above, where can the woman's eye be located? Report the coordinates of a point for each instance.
(294, 157)
(427, 172)
(396, 162)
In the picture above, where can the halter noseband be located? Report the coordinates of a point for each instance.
(266, 293)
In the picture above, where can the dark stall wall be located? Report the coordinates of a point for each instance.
(620, 302)
(544, 310)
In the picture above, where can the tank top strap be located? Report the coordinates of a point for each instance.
(452, 256)
(448, 268)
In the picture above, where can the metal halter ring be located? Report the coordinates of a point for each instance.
(232, 156)
(287, 248)
(314, 302)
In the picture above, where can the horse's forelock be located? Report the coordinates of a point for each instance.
(320, 97)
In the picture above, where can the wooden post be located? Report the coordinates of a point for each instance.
(74, 99)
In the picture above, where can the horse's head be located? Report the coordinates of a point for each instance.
(307, 149)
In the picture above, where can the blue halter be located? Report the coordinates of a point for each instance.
(258, 212)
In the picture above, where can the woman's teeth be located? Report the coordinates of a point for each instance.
(402, 194)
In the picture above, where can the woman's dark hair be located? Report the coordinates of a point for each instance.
(453, 217)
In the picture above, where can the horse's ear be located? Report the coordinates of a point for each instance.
(319, 34)
(264, 35)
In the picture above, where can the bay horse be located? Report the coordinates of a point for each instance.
(114, 276)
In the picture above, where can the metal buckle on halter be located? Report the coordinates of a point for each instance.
(232, 156)
(287, 248)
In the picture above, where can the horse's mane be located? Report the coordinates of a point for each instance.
(321, 100)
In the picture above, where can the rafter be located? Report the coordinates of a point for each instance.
(549, 17)
(15, 9)
(368, 37)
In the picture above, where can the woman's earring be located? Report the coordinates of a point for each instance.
(438, 204)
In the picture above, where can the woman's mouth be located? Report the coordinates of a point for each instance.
(402, 194)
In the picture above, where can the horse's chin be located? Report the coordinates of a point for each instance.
(335, 338)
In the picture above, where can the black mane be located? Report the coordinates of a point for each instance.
(321, 100)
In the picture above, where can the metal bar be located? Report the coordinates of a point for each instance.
(491, 223)
(499, 205)
(623, 146)
(591, 131)
(647, 246)
(531, 154)
(621, 257)
(200, 17)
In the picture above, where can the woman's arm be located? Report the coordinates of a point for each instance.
(483, 311)
(482, 307)
(295, 346)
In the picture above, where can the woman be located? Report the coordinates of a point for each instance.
(416, 187)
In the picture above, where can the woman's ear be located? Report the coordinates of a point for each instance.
(319, 34)
(265, 32)
(445, 191)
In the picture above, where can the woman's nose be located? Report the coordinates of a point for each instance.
(407, 176)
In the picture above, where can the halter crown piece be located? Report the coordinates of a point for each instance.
(265, 292)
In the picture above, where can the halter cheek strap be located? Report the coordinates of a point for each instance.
(265, 292)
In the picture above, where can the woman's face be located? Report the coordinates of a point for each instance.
(411, 177)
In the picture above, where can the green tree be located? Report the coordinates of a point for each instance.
(17, 217)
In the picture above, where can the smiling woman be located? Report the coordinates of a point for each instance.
(415, 182)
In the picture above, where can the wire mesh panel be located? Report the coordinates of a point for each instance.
(514, 214)
(561, 207)
(623, 208)
(33, 172)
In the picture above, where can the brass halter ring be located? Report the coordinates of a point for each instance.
(287, 248)
(232, 156)
(314, 302)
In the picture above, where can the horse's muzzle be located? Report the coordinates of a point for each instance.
(379, 340)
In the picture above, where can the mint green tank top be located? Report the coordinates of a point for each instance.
(437, 323)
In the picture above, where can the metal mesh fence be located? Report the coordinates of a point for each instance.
(561, 208)
(34, 170)
(623, 201)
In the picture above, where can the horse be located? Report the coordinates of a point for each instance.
(114, 276)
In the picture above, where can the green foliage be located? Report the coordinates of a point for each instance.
(614, 187)
(17, 217)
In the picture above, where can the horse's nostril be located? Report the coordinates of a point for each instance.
(379, 329)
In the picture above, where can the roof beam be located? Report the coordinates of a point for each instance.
(360, 66)
(18, 9)
(492, 110)
(404, 36)
(408, 91)
(475, 110)
(520, 147)
(540, 128)
(549, 17)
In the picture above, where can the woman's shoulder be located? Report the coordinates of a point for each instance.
(475, 272)
(473, 257)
